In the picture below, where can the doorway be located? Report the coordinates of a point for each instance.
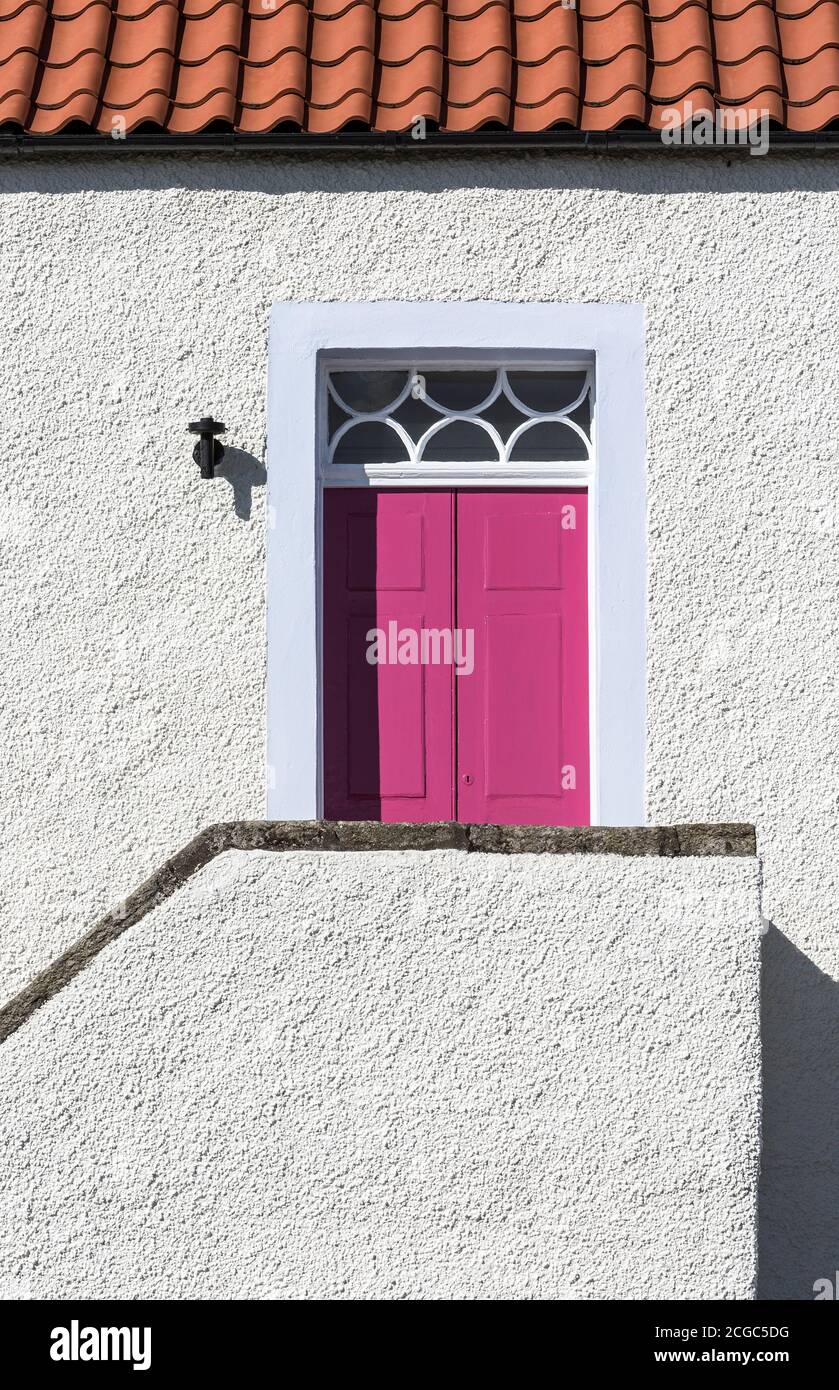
(455, 655)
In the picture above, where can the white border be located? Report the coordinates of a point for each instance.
(300, 337)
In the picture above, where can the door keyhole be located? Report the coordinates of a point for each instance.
(468, 778)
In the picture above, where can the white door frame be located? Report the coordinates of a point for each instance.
(303, 338)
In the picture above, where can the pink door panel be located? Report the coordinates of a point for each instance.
(388, 727)
(522, 715)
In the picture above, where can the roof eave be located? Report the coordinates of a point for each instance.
(361, 141)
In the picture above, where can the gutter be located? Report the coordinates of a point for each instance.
(369, 141)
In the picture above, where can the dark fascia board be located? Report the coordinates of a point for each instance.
(661, 842)
(360, 142)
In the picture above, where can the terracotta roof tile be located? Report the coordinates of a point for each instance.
(688, 32)
(817, 76)
(802, 38)
(135, 40)
(317, 65)
(672, 81)
(23, 32)
(815, 114)
(17, 78)
(739, 38)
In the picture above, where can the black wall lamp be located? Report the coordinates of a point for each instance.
(208, 453)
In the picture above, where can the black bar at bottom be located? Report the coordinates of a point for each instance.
(271, 1339)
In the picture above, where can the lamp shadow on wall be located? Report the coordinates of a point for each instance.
(243, 472)
(798, 1202)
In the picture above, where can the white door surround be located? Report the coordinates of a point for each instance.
(303, 339)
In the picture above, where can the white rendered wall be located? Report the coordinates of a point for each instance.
(135, 294)
(398, 1075)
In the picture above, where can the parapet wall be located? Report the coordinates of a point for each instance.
(399, 1074)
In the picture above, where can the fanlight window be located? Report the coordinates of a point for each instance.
(417, 416)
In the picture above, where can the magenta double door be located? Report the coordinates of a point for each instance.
(455, 656)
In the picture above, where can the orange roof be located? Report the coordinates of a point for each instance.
(523, 65)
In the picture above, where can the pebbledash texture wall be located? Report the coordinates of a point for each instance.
(135, 294)
(418, 1074)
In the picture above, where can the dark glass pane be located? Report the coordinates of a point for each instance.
(458, 390)
(548, 441)
(461, 441)
(415, 416)
(547, 392)
(372, 441)
(368, 392)
(504, 416)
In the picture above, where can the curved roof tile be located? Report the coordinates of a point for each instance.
(317, 65)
